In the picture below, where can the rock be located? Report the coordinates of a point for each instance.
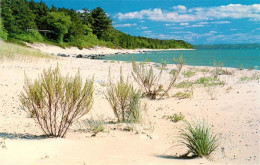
(79, 56)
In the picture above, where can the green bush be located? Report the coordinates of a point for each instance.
(55, 101)
(199, 139)
(124, 100)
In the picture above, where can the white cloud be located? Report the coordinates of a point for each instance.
(143, 27)
(196, 25)
(170, 24)
(212, 32)
(181, 32)
(231, 11)
(221, 22)
(180, 8)
(125, 25)
(184, 24)
(148, 31)
(203, 23)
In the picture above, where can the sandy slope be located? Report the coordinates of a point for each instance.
(234, 114)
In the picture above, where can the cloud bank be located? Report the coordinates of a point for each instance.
(183, 14)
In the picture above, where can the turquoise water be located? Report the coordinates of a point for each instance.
(235, 58)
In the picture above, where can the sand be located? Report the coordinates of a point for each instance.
(97, 50)
(233, 110)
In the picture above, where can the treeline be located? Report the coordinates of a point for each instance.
(23, 20)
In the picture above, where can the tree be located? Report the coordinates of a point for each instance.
(59, 23)
(3, 32)
(101, 23)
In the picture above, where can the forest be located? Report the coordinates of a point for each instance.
(29, 21)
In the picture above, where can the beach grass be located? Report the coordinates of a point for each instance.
(11, 51)
(199, 138)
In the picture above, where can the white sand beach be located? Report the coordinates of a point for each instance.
(233, 109)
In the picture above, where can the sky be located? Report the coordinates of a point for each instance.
(194, 21)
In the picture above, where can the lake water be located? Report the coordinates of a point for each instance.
(235, 58)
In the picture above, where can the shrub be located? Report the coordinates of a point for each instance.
(175, 117)
(199, 139)
(56, 101)
(124, 100)
(150, 82)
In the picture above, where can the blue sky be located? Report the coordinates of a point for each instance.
(194, 21)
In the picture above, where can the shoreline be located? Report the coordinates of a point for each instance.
(99, 52)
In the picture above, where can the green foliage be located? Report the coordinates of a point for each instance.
(199, 139)
(101, 23)
(184, 84)
(3, 32)
(209, 81)
(32, 36)
(175, 117)
(55, 101)
(149, 81)
(124, 100)
(184, 95)
(17, 16)
(59, 23)
(189, 73)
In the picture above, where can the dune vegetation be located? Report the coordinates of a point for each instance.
(10, 51)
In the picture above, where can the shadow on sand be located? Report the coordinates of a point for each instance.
(176, 157)
(22, 136)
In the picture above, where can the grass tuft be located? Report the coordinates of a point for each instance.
(175, 117)
(184, 95)
(209, 81)
(199, 139)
